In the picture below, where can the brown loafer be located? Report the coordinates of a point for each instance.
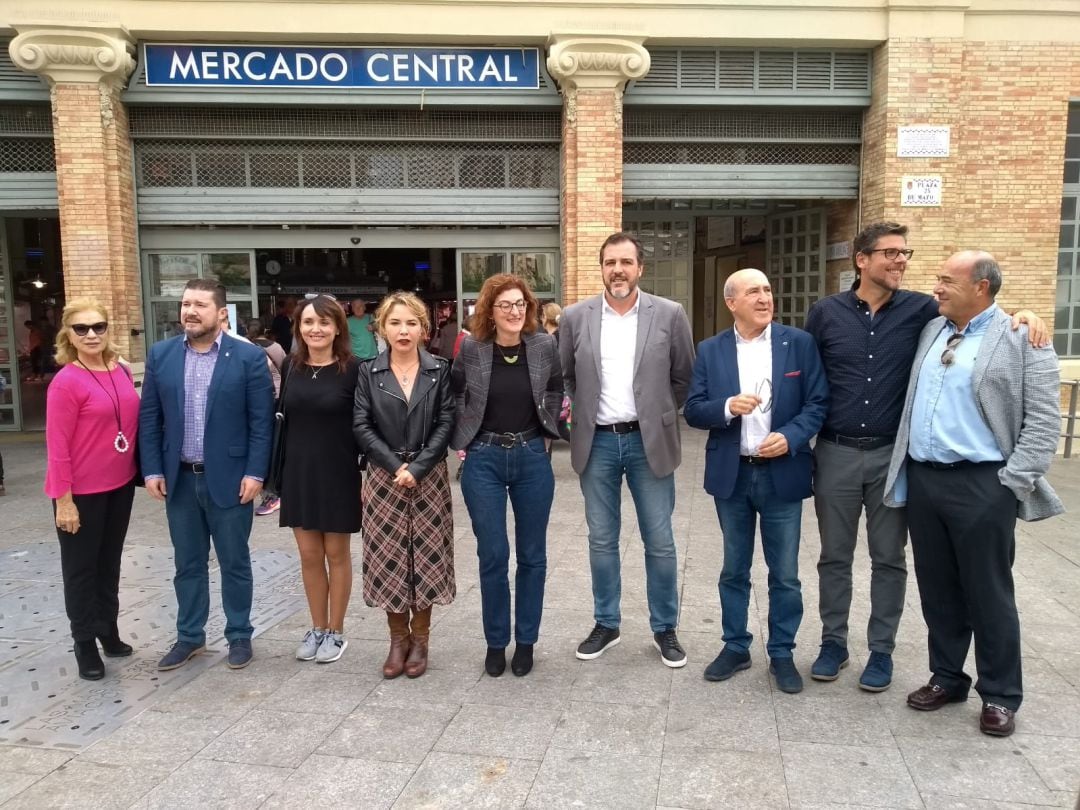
(997, 721)
(932, 697)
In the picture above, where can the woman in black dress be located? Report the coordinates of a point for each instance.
(320, 496)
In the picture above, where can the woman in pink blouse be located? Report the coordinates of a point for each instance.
(90, 422)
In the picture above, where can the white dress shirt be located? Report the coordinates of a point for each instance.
(755, 367)
(618, 346)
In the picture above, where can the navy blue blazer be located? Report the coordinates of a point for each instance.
(800, 400)
(239, 417)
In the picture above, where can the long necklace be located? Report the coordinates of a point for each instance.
(509, 360)
(405, 372)
(120, 443)
(316, 369)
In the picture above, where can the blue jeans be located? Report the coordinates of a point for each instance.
(193, 519)
(612, 456)
(754, 496)
(524, 473)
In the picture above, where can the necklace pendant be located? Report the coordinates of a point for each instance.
(404, 380)
(121, 442)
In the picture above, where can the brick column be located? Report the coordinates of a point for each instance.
(592, 72)
(86, 69)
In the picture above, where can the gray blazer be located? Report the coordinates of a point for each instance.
(663, 364)
(470, 377)
(1017, 392)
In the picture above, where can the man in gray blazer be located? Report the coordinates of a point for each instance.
(627, 357)
(979, 430)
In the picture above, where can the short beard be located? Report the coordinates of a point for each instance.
(621, 296)
(197, 331)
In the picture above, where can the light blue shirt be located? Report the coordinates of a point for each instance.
(946, 425)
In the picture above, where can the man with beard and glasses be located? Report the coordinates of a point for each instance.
(627, 358)
(204, 437)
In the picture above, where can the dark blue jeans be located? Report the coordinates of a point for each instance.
(524, 473)
(755, 497)
(193, 519)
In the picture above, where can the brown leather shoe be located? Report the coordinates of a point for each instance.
(997, 721)
(932, 697)
(416, 663)
(400, 644)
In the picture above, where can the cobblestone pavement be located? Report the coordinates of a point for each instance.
(620, 731)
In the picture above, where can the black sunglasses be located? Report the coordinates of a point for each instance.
(948, 357)
(82, 329)
(313, 296)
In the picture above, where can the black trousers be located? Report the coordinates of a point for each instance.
(90, 561)
(962, 525)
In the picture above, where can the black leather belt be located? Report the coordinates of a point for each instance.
(755, 460)
(507, 440)
(196, 467)
(954, 465)
(621, 427)
(857, 442)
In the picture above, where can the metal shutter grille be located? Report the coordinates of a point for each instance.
(27, 155)
(741, 154)
(697, 69)
(26, 119)
(829, 126)
(664, 70)
(851, 71)
(813, 71)
(736, 70)
(776, 70)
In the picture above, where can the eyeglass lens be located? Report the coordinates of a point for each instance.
(893, 253)
(764, 391)
(506, 306)
(82, 329)
(948, 357)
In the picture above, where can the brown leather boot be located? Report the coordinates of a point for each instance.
(416, 663)
(399, 644)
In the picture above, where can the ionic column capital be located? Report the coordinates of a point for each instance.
(596, 63)
(74, 55)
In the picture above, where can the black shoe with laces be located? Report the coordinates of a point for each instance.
(600, 639)
(671, 651)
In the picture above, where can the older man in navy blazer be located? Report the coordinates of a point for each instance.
(760, 391)
(204, 437)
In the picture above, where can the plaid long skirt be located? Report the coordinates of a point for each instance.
(408, 541)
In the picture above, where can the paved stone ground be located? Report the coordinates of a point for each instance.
(620, 731)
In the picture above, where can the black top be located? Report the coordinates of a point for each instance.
(868, 358)
(510, 406)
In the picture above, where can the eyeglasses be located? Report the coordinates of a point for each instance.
(505, 306)
(892, 254)
(948, 357)
(313, 296)
(764, 393)
(82, 329)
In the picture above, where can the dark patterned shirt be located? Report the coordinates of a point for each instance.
(868, 359)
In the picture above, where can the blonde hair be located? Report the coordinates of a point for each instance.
(65, 351)
(405, 299)
(551, 313)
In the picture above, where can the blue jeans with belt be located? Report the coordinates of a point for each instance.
(193, 519)
(523, 472)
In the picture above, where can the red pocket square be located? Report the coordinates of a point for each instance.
(792, 373)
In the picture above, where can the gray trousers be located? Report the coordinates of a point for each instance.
(845, 481)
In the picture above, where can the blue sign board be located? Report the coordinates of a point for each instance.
(294, 66)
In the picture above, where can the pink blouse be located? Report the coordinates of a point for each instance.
(80, 427)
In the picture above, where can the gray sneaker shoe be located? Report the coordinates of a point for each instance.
(310, 645)
(331, 648)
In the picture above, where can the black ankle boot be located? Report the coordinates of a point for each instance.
(91, 667)
(113, 646)
(495, 661)
(522, 662)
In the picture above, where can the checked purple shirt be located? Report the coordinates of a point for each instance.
(198, 371)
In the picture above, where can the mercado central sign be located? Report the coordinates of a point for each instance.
(293, 66)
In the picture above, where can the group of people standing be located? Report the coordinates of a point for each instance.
(911, 398)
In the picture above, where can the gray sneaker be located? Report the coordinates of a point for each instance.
(331, 648)
(309, 647)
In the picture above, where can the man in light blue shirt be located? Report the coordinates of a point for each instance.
(979, 430)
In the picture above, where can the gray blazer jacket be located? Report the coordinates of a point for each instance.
(663, 364)
(470, 377)
(1017, 392)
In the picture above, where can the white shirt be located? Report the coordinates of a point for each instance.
(755, 367)
(618, 346)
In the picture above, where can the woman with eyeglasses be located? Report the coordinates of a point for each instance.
(320, 487)
(509, 388)
(403, 415)
(91, 422)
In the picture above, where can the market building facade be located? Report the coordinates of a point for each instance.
(359, 147)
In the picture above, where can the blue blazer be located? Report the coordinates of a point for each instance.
(239, 417)
(800, 400)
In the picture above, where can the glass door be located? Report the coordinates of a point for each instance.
(10, 412)
(540, 268)
(795, 256)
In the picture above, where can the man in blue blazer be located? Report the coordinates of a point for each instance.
(760, 391)
(205, 429)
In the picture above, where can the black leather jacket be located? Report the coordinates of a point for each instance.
(391, 430)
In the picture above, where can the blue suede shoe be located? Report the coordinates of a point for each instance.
(726, 664)
(878, 673)
(787, 677)
(830, 661)
(239, 653)
(180, 654)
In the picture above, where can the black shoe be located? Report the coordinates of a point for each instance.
(671, 652)
(91, 667)
(787, 676)
(113, 646)
(600, 639)
(522, 662)
(495, 661)
(726, 664)
(239, 653)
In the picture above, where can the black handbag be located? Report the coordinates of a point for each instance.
(274, 476)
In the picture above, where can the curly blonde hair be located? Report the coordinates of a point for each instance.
(408, 300)
(65, 350)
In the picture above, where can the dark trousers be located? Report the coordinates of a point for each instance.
(962, 525)
(90, 561)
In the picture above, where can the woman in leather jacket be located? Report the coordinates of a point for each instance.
(402, 418)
